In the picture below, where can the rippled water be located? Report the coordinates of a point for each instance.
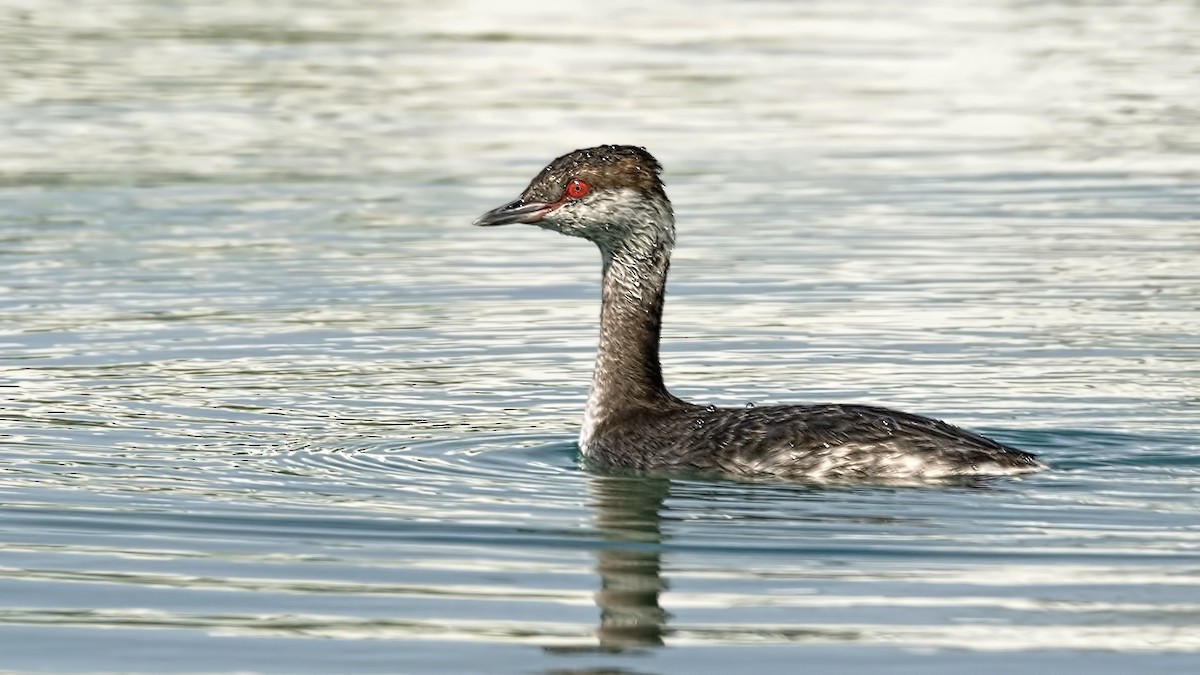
(271, 405)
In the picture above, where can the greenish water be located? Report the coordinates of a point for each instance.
(270, 404)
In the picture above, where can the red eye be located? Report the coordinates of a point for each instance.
(578, 189)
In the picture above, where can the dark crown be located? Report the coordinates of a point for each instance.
(602, 167)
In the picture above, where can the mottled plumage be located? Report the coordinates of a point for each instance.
(816, 441)
(613, 196)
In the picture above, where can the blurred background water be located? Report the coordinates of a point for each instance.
(270, 404)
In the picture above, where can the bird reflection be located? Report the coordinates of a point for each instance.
(629, 561)
(626, 512)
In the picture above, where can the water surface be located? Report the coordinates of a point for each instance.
(271, 405)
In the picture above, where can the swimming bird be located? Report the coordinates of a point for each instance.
(613, 196)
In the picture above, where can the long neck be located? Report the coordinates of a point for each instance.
(628, 373)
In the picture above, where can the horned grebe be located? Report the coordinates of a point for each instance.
(612, 196)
